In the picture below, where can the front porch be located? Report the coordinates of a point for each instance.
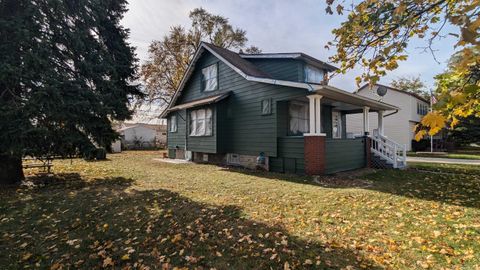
(316, 143)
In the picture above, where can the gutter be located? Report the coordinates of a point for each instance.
(396, 111)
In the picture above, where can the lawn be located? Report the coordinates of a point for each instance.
(132, 212)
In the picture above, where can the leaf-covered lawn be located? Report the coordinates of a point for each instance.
(134, 212)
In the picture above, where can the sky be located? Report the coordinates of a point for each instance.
(275, 26)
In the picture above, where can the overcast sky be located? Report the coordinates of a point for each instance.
(273, 26)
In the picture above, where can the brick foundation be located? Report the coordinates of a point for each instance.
(314, 153)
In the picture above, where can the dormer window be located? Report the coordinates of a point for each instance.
(210, 78)
(313, 74)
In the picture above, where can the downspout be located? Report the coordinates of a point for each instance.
(396, 111)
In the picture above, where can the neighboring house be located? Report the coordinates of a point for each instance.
(398, 126)
(137, 137)
(272, 110)
(160, 132)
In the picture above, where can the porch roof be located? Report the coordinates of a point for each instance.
(199, 102)
(349, 102)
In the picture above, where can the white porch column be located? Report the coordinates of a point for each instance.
(366, 123)
(380, 122)
(315, 115)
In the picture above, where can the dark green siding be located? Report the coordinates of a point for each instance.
(248, 132)
(177, 139)
(343, 155)
(281, 69)
(290, 156)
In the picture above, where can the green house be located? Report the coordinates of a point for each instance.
(272, 110)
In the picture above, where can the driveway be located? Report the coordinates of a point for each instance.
(444, 160)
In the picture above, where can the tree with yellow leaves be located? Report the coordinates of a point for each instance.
(376, 35)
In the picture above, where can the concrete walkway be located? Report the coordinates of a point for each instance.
(172, 161)
(444, 160)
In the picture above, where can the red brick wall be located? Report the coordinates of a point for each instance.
(314, 152)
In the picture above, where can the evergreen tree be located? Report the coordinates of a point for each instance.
(66, 72)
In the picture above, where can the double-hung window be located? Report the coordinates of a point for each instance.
(173, 123)
(210, 78)
(201, 122)
(313, 74)
(422, 109)
(298, 118)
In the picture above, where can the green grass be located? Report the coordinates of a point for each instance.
(455, 155)
(134, 212)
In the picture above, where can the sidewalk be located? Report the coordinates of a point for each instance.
(444, 160)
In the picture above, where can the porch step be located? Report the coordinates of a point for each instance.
(380, 163)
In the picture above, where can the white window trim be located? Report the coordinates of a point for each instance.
(194, 122)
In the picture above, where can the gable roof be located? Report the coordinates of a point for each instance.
(251, 73)
(417, 96)
(234, 58)
(296, 55)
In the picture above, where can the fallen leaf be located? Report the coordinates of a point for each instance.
(107, 262)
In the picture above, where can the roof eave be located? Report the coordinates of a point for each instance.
(359, 100)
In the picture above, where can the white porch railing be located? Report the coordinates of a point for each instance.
(393, 152)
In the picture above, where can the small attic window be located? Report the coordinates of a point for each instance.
(173, 123)
(210, 78)
(266, 106)
(313, 74)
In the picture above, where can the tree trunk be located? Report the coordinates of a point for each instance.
(11, 171)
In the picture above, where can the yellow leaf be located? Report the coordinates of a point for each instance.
(107, 262)
(177, 238)
(125, 257)
(419, 135)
